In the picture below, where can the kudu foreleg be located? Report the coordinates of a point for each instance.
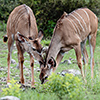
(21, 61)
(58, 60)
(32, 70)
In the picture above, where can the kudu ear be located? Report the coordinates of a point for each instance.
(65, 13)
(40, 35)
(51, 63)
(21, 38)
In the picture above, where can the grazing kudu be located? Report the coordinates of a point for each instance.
(71, 32)
(22, 27)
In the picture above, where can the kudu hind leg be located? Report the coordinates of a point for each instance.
(92, 43)
(32, 71)
(10, 48)
(85, 55)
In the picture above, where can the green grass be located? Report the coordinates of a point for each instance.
(92, 87)
(34, 95)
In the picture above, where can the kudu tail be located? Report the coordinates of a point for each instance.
(5, 38)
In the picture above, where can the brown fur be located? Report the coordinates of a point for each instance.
(22, 20)
(69, 33)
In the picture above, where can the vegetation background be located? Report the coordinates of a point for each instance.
(47, 12)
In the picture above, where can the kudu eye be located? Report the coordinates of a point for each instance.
(46, 77)
(35, 41)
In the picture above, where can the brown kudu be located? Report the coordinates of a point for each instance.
(71, 32)
(22, 27)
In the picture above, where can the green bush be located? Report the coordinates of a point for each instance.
(12, 90)
(50, 28)
(47, 12)
(3, 26)
(6, 6)
(69, 86)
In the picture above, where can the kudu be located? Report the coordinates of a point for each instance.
(71, 32)
(22, 27)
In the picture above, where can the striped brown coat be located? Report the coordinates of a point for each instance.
(22, 27)
(71, 32)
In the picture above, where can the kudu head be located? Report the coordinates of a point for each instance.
(33, 47)
(28, 44)
(46, 69)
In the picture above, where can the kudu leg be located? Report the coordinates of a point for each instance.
(58, 60)
(79, 59)
(85, 60)
(92, 43)
(10, 48)
(21, 61)
(32, 71)
(85, 55)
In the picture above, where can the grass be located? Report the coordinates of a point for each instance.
(92, 87)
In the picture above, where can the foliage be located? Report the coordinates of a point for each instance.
(12, 90)
(89, 91)
(6, 6)
(50, 27)
(3, 26)
(68, 85)
(45, 42)
(30, 94)
(47, 12)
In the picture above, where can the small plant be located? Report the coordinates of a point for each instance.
(69, 85)
(12, 90)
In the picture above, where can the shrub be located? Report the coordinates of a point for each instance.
(69, 85)
(3, 26)
(12, 90)
(47, 12)
(6, 6)
(50, 27)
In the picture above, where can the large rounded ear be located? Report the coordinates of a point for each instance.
(21, 38)
(65, 14)
(51, 63)
(40, 35)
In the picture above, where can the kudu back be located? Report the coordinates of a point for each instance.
(71, 32)
(22, 27)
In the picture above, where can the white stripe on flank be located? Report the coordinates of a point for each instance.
(82, 19)
(18, 20)
(72, 24)
(77, 20)
(76, 26)
(16, 17)
(86, 14)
